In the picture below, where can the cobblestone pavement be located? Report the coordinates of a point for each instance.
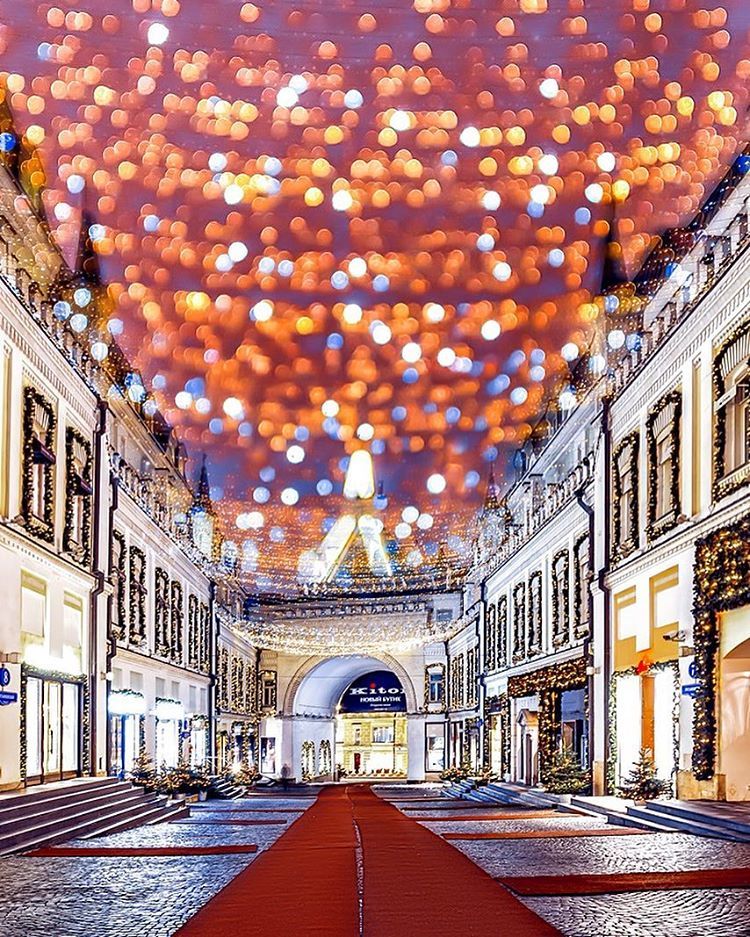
(715, 912)
(125, 896)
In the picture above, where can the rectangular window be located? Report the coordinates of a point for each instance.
(72, 633)
(382, 735)
(436, 686)
(435, 755)
(664, 451)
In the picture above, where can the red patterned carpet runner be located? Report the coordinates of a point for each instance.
(144, 850)
(541, 885)
(550, 834)
(355, 866)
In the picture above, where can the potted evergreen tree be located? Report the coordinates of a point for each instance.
(566, 775)
(642, 784)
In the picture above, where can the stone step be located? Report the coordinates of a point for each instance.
(55, 795)
(50, 812)
(700, 813)
(161, 813)
(675, 822)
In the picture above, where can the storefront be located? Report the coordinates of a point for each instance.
(169, 715)
(434, 747)
(127, 713)
(54, 707)
(371, 733)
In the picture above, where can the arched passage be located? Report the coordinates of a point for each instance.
(317, 686)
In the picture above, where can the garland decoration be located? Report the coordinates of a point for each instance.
(161, 612)
(581, 585)
(502, 631)
(38, 450)
(721, 583)
(549, 683)
(624, 463)
(137, 618)
(535, 613)
(193, 632)
(78, 489)
(497, 714)
(668, 411)
(118, 559)
(490, 638)
(735, 347)
(560, 598)
(204, 661)
(176, 621)
(519, 621)
(672, 665)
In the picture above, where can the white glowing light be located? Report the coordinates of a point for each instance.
(400, 121)
(402, 531)
(425, 521)
(330, 408)
(411, 352)
(491, 201)
(606, 161)
(594, 192)
(353, 98)
(446, 357)
(289, 496)
(157, 34)
(548, 164)
(237, 251)
(233, 408)
(570, 351)
(519, 395)
(616, 338)
(365, 432)
(287, 97)
(342, 200)
(352, 313)
(436, 484)
(262, 311)
(381, 334)
(434, 312)
(502, 271)
(549, 88)
(359, 482)
(357, 267)
(540, 193)
(233, 194)
(295, 454)
(183, 400)
(485, 242)
(470, 137)
(490, 330)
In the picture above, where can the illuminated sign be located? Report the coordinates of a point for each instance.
(379, 691)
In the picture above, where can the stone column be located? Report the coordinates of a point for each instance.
(415, 741)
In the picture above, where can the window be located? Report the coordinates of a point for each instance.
(268, 689)
(435, 679)
(39, 459)
(137, 623)
(625, 495)
(663, 464)
(356, 734)
(581, 587)
(78, 493)
(119, 584)
(382, 735)
(737, 417)
(560, 607)
(193, 636)
(732, 409)
(535, 612)
(161, 612)
(490, 638)
(502, 631)
(519, 620)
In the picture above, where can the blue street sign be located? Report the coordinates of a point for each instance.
(6, 698)
(4, 676)
(693, 669)
(691, 689)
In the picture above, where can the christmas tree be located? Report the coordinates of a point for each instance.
(565, 775)
(643, 784)
(143, 772)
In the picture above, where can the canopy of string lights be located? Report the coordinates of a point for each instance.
(352, 226)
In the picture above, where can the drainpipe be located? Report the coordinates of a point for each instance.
(111, 640)
(99, 577)
(213, 632)
(587, 644)
(482, 677)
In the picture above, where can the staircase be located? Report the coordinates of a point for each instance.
(78, 810)
(516, 795)
(700, 818)
(224, 789)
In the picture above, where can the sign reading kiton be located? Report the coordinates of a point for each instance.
(379, 691)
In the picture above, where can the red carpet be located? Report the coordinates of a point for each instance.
(630, 881)
(502, 815)
(549, 834)
(143, 851)
(231, 822)
(416, 885)
(305, 885)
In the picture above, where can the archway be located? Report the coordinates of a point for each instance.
(384, 734)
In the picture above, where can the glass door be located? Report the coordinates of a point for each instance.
(53, 725)
(52, 720)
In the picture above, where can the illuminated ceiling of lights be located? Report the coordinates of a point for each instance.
(343, 225)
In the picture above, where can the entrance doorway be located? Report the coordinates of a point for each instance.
(734, 689)
(53, 718)
(371, 727)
